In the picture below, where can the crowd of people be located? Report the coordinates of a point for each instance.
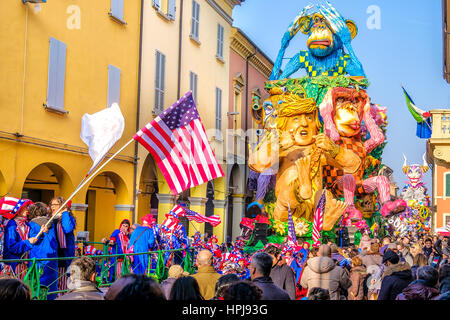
(389, 269)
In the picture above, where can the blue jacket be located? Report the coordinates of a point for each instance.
(68, 226)
(46, 247)
(14, 246)
(142, 240)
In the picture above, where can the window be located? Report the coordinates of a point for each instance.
(446, 220)
(113, 85)
(56, 75)
(195, 20)
(218, 110)
(193, 84)
(159, 82)
(117, 11)
(447, 184)
(166, 7)
(219, 52)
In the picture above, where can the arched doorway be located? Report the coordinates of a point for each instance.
(46, 181)
(209, 206)
(105, 195)
(148, 190)
(235, 202)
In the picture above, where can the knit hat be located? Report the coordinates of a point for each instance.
(10, 206)
(390, 256)
(176, 271)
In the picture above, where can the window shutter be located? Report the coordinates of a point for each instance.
(172, 9)
(447, 185)
(220, 40)
(113, 85)
(56, 74)
(198, 20)
(117, 9)
(218, 109)
(157, 3)
(162, 81)
(157, 81)
(195, 19)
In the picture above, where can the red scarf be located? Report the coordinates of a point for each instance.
(123, 241)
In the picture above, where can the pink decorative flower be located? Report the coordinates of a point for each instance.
(362, 224)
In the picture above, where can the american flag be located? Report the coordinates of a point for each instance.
(318, 220)
(179, 211)
(291, 230)
(177, 141)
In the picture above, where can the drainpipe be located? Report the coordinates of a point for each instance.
(246, 117)
(138, 111)
(180, 37)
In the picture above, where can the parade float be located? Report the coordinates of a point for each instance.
(323, 139)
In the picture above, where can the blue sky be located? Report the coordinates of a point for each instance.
(407, 49)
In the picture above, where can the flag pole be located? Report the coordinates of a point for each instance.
(84, 182)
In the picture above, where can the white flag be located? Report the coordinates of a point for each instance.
(100, 131)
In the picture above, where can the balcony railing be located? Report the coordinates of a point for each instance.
(441, 123)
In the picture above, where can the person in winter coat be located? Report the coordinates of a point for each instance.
(260, 268)
(142, 240)
(65, 226)
(175, 271)
(444, 282)
(323, 272)
(373, 256)
(358, 275)
(396, 276)
(206, 276)
(404, 253)
(281, 274)
(81, 282)
(45, 247)
(424, 288)
(419, 261)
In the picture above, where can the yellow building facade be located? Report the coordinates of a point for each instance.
(60, 60)
(185, 46)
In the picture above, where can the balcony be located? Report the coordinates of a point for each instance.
(439, 143)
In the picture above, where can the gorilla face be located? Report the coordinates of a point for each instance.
(321, 40)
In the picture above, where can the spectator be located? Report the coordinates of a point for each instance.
(322, 272)
(404, 253)
(260, 268)
(206, 276)
(365, 243)
(186, 289)
(313, 252)
(428, 248)
(282, 275)
(81, 283)
(358, 274)
(14, 290)
(175, 271)
(424, 287)
(444, 282)
(133, 287)
(384, 244)
(416, 248)
(373, 256)
(406, 240)
(223, 283)
(396, 276)
(45, 247)
(243, 291)
(318, 294)
(336, 256)
(419, 261)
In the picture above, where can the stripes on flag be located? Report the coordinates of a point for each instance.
(291, 229)
(178, 211)
(318, 220)
(177, 141)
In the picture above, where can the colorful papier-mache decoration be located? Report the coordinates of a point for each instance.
(416, 217)
(321, 132)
